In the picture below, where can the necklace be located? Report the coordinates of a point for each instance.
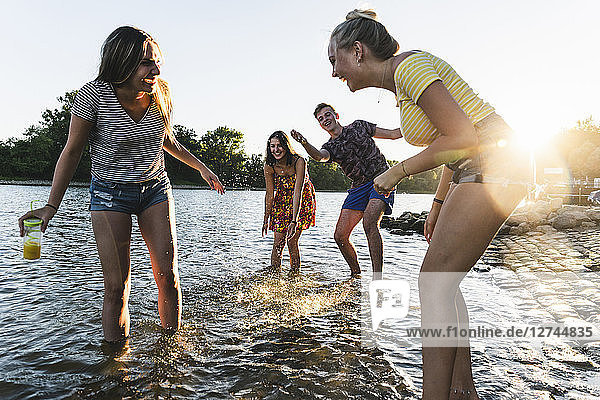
(281, 169)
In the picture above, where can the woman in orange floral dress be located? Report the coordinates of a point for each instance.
(289, 199)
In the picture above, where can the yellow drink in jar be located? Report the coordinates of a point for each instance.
(31, 251)
(32, 241)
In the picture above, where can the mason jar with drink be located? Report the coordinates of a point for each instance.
(32, 237)
(32, 240)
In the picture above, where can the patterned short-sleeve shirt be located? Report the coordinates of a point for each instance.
(356, 152)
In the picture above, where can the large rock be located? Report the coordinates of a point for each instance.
(516, 219)
(578, 215)
(593, 213)
(418, 225)
(571, 208)
(405, 224)
(515, 230)
(400, 224)
(524, 227)
(545, 228)
(564, 222)
(542, 208)
(504, 230)
(400, 232)
(535, 217)
(385, 221)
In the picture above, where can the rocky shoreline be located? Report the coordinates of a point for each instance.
(533, 219)
(406, 224)
(549, 216)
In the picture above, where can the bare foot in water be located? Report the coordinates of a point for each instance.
(275, 269)
(463, 394)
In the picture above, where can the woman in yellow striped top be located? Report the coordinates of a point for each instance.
(482, 182)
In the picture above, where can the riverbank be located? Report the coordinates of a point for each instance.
(535, 218)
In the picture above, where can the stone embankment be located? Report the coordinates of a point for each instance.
(533, 219)
(548, 216)
(406, 224)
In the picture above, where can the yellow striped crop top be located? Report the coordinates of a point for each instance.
(412, 76)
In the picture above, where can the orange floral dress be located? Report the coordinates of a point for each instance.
(283, 203)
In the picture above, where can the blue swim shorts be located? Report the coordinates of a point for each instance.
(359, 197)
(129, 198)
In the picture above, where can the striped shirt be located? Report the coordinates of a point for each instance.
(121, 150)
(413, 75)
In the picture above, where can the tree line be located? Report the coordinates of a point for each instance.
(34, 157)
(577, 148)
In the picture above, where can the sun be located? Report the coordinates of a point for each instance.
(534, 140)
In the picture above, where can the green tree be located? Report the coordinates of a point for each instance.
(424, 182)
(223, 153)
(327, 176)
(54, 127)
(222, 150)
(35, 156)
(578, 147)
(179, 172)
(253, 170)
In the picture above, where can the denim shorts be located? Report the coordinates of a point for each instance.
(359, 197)
(129, 198)
(497, 159)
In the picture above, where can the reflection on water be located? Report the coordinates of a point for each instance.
(248, 333)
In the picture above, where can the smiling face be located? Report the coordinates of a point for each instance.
(277, 149)
(327, 118)
(345, 66)
(145, 77)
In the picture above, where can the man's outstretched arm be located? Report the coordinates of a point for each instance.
(318, 155)
(381, 133)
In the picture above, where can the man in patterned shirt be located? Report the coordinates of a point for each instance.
(353, 148)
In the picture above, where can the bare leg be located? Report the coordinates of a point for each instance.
(468, 221)
(294, 251)
(346, 223)
(157, 225)
(372, 216)
(112, 231)
(278, 245)
(463, 386)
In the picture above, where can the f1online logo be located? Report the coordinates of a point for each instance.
(389, 300)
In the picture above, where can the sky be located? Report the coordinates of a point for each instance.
(260, 66)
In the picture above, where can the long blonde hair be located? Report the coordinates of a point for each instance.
(122, 52)
(362, 26)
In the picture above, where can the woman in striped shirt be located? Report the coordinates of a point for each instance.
(125, 115)
(439, 111)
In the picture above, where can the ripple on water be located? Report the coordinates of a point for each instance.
(247, 333)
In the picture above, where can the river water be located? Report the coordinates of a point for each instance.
(248, 334)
